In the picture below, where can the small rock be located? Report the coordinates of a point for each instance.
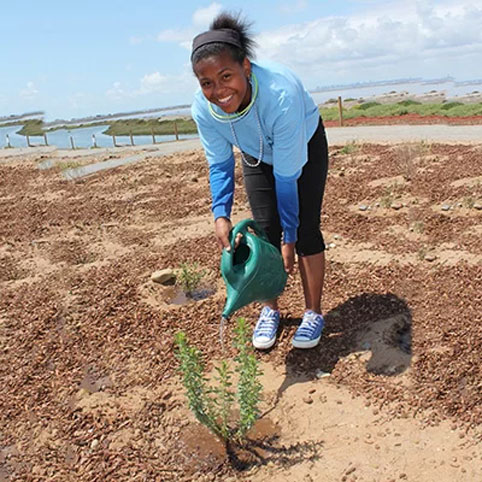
(377, 205)
(445, 207)
(430, 257)
(94, 444)
(308, 400)
(312, 390)
(194, 179)
(459, 205)
(396, 206)
(362, 207)
(322, 374)
(478, 206)
(331, 245)
(336, 236)
(163, 276)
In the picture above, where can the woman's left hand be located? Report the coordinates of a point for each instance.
(288, 254)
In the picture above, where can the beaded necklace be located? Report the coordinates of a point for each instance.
(230, 118)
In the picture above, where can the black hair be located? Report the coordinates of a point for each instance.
(234, 22)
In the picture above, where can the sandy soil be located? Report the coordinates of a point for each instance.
(90, 389)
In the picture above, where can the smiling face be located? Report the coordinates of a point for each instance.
(224, 81)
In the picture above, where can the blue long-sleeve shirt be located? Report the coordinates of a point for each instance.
(288, 117)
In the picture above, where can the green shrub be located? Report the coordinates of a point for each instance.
(408, 102)
(367, 105)
(189, 277)
(450, 105)
(212, 406)
(349, 148)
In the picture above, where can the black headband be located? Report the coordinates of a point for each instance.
(223, 35)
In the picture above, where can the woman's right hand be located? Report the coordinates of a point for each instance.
(222, 227)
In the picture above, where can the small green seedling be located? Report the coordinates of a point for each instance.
(190, 276)
(349, 148)
(213, 406)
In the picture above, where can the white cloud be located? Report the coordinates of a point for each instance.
(378, 40)
(116, 92)
(155, 82)
(202, 17)
(158, 83)
(29, 92)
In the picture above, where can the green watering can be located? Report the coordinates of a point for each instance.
(254, 271)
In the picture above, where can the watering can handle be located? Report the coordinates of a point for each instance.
(242, 228)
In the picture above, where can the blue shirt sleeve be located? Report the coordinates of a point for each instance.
(219, 154)
(288, 208)
(289, 154)
(221, 181)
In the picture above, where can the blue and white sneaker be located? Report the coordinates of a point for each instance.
(264, 334)
(308, 333)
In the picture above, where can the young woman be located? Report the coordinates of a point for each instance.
(264, 110)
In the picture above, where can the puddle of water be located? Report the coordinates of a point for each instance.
(176, 296)
(204, 450)
(258, 447)
(201, 294)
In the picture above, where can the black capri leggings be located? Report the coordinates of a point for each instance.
(260, 188)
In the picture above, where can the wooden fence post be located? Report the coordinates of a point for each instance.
(153, 136)
(8, 141)
(28, 141)
(132, 138)
(72, 142)
(114, 143)
(94, 141)
(340, 111)
(45, 139)
(176, 133)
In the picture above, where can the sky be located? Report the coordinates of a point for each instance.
(75, 59)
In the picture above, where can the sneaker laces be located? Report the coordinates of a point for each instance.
(310, 324)
(267, 323)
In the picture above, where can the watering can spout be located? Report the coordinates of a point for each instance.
(253, 271)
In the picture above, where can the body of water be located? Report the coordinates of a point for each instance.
(81, 138)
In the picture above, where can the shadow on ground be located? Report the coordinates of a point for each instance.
(377, 323)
